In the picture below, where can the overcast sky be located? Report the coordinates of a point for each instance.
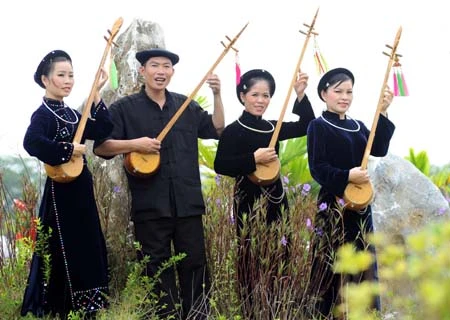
(352, 34)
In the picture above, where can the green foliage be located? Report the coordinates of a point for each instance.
(207, 154)
(351, 261)
(414, 275)
(279, 280)
(41, 248)
(14, 272)
(138, 298)
(439, 176)
(14, 168)
(421, 266)
(420, 161)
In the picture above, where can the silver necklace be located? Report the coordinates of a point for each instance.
(272, 198)
(56, 115)
(257, 130)
(345, 129)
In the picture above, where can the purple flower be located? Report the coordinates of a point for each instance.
(117, 189)
(309, 224)
(323, 206)
(285, 180)
(319, 231)
(232, 220)
(284, 241)
(217, 178)
(341, 202)
(218, 202)
(441, 211)
(306, 188)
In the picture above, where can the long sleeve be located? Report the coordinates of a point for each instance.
(99, 126)
(383, 134)
(39, 139)
(295, 129)
(230, 159)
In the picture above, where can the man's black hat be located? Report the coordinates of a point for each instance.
(143, 56)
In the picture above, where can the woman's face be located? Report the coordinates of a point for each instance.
(257, 98)
(60, 81)
(338, 97)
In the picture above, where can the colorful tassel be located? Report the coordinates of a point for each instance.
(321, 64)
(113, 79)
(400, 87)
(238, 69)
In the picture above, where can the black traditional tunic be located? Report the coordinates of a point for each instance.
(235, 156)
(138, 116)
(334, 147)
(78, 278)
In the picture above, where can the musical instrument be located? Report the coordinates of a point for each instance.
(358, 196)
(68, 171)
(267, 173)
(146, 164)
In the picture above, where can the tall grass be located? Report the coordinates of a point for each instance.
(279, 255)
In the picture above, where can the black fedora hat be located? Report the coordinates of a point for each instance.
(46, 61)
(324, 82)
(143, 56)
(243, 84)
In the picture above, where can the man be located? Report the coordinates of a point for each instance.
(167, 206)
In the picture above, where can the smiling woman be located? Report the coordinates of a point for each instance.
(71, 279)
(243, 145)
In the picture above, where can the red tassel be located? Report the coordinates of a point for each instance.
(238, 69)
(394, 74)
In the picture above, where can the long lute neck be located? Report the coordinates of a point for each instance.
(368, 149)
(177, 114)
(90, 100)
(277, 129)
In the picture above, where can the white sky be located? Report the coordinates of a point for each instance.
(352, 34)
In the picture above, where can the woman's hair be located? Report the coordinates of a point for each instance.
(48, 67)
(337, 79)
(45, 67)
(334, 77)
(252, 81)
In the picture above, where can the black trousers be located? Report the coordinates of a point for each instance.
(186, 235)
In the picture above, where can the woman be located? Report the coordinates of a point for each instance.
(244, 144)
(336, 145)
(69, 269)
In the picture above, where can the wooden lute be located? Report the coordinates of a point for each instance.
(68, 171)
(144, 165)
(358, 196)
(267, 173)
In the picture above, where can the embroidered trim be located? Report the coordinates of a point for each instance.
(257, 130)
(341, 128)
(56, 115)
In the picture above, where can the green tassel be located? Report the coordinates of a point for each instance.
(113, 79)
(400, 83)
